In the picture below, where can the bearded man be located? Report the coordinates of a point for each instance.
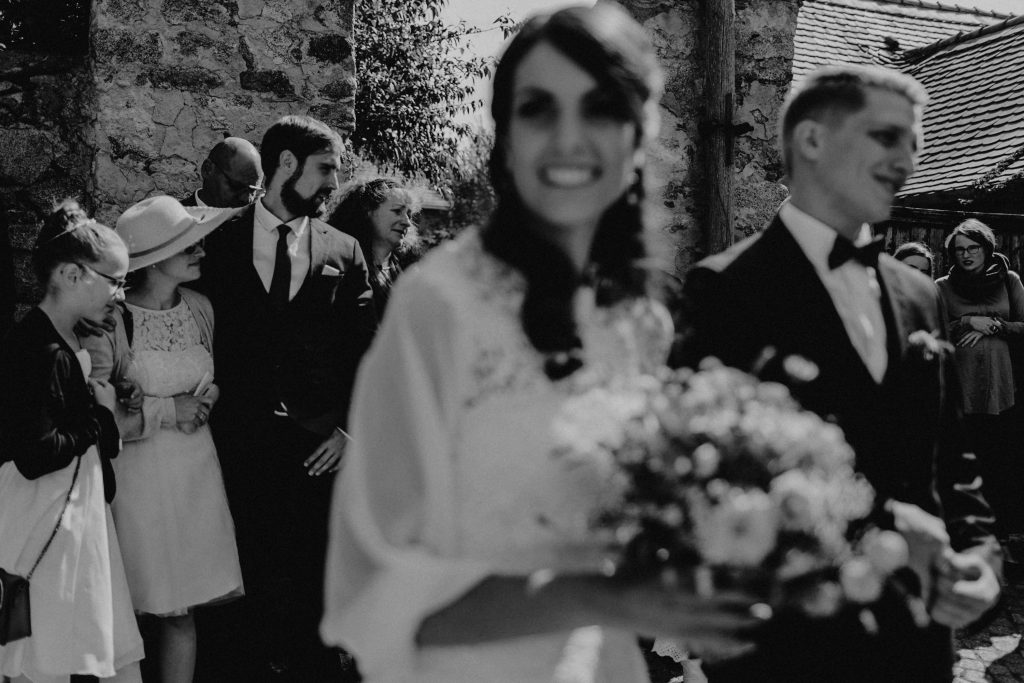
(294, 315)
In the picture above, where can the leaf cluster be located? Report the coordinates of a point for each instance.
(415, 91)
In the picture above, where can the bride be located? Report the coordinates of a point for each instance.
(459, 547)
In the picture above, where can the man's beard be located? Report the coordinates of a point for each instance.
(299, 205)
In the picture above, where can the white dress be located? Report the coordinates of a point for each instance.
(170, 510)
(451, 476)
(82, 620)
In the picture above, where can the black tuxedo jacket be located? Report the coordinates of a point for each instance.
(906, 431)
(305, 357)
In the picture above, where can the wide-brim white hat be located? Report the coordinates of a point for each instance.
(157, 228)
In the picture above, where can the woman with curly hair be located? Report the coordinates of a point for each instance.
(379, 214)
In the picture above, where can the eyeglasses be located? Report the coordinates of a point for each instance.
(237, 186)
(119, 283)
(969, 251)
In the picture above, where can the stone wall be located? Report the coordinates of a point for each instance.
(164, 81)
(46, 113)
(764, 53)
(172, 77)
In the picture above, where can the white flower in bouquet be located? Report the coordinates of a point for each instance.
(861, 580)
(597, 421)
(886, 550)
(799, 500)
(739, 529)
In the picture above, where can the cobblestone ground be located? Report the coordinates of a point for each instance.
(994, 653)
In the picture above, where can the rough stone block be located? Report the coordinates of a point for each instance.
(275, 82)
(118, 45)
(206, 11)
(339, 89)
(247, 9)
(191, 42)
(122, 10)
(333, 49)
(191, 78)
(168, 105)
(336, 115)
(124, 147)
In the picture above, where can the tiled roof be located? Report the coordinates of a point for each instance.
(974, 122)
(875, 31)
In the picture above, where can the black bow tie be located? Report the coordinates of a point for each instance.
(843, 250)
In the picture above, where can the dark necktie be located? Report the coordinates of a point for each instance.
(843, 250)
(281, 281)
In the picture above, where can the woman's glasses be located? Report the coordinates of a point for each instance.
(969, 251)
(118, 282)
(193, 248)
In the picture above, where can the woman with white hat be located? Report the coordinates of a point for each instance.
(171, 513)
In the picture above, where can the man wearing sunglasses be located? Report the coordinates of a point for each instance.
(231, 176)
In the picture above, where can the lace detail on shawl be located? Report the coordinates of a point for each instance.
(632, 336)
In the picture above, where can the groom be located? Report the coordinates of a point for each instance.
(813, 284)
(294, 315)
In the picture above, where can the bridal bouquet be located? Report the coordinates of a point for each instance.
(724, 477)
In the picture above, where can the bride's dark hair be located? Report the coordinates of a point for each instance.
(611, 47)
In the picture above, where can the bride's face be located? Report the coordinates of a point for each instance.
(571, 148)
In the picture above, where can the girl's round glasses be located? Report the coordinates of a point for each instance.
(118, 282)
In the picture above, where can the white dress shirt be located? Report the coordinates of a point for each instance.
(853, 287)
(264, 247)
(198, 199)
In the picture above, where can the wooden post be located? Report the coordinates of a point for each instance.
(719, 88)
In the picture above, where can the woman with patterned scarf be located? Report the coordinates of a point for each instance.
(984, 303)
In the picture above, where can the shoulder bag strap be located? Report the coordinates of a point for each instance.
(56, 527)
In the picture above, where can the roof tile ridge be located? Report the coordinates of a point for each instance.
(988, 179)
(914, 55)
(925, 4)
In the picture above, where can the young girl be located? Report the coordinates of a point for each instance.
(57, 433)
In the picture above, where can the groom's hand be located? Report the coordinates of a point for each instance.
(927, 541)
(965, 588)
(327, 457)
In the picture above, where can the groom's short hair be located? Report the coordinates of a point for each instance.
(300, 135)
(837, 91)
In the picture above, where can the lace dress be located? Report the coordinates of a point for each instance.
(452, 477)
(171, 511)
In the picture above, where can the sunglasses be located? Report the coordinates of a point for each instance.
(193, 248)
(119, 283)
(970, 251)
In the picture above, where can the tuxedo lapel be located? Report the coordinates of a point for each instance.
(798, 301)
(901, 305)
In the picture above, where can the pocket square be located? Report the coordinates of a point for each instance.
(330, 271)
